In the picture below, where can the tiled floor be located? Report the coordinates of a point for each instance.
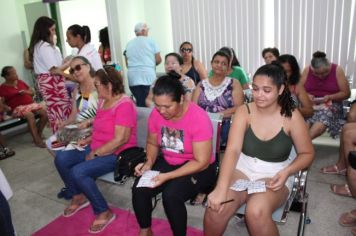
(35, 183)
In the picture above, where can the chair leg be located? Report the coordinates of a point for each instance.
(303, 215)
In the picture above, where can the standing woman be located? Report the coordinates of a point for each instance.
(271, 124)
(219, 93)
(45, 55)
(191, 67)
(79, 37)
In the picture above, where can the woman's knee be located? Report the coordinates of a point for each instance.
(256, 214)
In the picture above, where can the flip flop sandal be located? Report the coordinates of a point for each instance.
(84, 205)
(347, 219)
(335, 188)
(9, 152)
(333, 170)
(100, 225)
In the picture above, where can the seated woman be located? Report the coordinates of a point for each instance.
(348, 219)
(271, 124)
(299, 95)
(174, 62)
(219, 93)
(235, 70)
(191, 66)
(112, 133)
(18, 96)
(180, 149)
(327, 86)
(270, 54)
(339, 168)
(84, 99)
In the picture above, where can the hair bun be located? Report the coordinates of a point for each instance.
(319, 54)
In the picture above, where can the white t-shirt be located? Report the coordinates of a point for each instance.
(89, 52)
(45, 56)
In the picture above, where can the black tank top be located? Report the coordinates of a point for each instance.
(193, 74)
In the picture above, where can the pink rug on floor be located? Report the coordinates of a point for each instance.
(124, 225)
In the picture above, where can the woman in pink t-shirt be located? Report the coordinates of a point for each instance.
(114, 129)
(180, 150)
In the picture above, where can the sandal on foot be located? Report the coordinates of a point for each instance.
(347, 219)
(72, 209)
(99, 225)
(333, 170)
(341, 189)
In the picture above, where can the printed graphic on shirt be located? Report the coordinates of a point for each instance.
(172, 140)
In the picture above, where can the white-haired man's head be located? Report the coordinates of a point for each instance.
(141, 29)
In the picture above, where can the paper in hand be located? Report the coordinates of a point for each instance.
(250, 186)
(146, 179)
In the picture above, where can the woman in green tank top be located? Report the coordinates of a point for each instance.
(258, 149)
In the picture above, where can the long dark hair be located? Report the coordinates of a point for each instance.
(40, 32)
(190, 44)
(292, 61)
(169, 85)
(279, 78)
(104, 37)
(82, 31)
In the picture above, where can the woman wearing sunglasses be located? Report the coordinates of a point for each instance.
(112, 133)
(84, 100)
(191, 67)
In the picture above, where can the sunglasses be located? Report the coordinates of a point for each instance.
(186, 50)
(76, 68)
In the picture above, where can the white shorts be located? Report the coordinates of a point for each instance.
(256, 169)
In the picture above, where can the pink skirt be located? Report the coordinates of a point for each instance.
(21, 110)
(55, 95)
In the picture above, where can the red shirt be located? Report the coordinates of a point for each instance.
(12, 96)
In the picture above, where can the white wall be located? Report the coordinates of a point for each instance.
(11, 45)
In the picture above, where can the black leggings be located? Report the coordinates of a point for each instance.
(174, 195)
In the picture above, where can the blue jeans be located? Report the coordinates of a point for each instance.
(140, 92)
(224, 134)
(79, 175)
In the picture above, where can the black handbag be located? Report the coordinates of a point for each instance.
(126, 162)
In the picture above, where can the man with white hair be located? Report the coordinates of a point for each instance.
(142, 56)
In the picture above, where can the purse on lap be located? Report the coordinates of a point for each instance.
(126, 162)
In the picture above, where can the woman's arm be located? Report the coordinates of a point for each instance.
(122, 135)
(149, 98)
(238, 98)
(304, 148)
(72, 117)
(203, 74)
(306, 105)
(152, 150)
(344, 87)
(196, 93)
(228, 164)
(201, 153)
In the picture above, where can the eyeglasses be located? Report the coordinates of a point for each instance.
(189, 50)
(76, 68)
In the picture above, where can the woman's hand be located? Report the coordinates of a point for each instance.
(90, 156)
(84, 142)
(278, 181)
(141, 168)
(160, 179)
(215, 198)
